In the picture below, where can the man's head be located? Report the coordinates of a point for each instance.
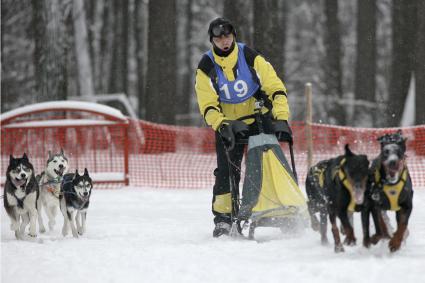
(222, 33)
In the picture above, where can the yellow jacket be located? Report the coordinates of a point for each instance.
(214, 111)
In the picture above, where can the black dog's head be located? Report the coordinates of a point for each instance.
(82, 185)
(393, 153)
(356, 170)
(20, 171)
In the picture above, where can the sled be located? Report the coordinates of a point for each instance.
(271, 196)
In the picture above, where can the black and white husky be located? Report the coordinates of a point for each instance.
(74, 202)
(49, 182)
(20, 196)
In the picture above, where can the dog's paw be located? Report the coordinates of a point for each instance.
(52, 225)
(64, 232)
(375, 239)
(366, 242)
(350, 241)
(339, 248)
(14, 226)
(75, 235)
(324, 241)
(80, 231)
(33, 235)
(42, 230)
(394, 244)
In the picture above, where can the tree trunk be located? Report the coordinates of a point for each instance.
(403, 22)
(118, 79)
(95, 20)
(106, 46)
(420, 65)
(85, 78)
(161, 74)
(269, 32)
(139, 39)
(365, 85)
(50, 49)
(332, 64)
(238, 12)
(184, 63)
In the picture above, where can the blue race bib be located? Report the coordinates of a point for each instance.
(242, 88)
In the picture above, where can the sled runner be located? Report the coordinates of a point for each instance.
(270, 195)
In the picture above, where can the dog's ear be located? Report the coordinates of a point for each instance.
(25, 157)
(76, 174)
(50, 154)
(348, 151)
(86, 173)
(11, 159)
(62, 151)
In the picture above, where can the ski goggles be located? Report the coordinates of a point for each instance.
(224, 29)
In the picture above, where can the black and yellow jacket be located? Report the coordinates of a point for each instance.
(214, 111)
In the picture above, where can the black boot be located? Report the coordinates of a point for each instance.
(221, 228)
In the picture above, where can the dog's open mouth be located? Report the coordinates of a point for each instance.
(20, 182)
(393, 170)
(60, 171)
(83, 197)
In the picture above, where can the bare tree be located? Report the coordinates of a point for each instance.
(403, 26)
(270, 31)
(365, 85)
(119, 72)
(332, 63)
(161, 75)
(420, 65)
(239, 13)
(140, 38)
(51, 45)
(85, 78)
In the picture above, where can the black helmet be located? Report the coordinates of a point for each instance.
(220, 26)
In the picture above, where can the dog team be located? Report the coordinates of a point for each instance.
(340, 186)
(27, 195)
(336, 187)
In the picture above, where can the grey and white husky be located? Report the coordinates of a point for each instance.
(20, 196)
(74, 202)
(49, 182)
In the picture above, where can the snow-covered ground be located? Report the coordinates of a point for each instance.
(146, 235)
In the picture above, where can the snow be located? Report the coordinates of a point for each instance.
(148, 235)
(61, 123)
(65, 104)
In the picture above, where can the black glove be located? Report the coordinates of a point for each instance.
(230, 130)
(283, 131)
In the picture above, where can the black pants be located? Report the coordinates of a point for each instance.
(222, 179)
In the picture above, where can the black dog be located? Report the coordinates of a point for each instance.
(334, 187)
(20, 196)
(392, 185)
(75, 198)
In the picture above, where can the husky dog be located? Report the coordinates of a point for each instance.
(74, 202)
(49, 182)
(20, 196)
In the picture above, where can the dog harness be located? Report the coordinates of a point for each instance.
(347, 185)
(55, 192)
(392, 191)
(319, 174)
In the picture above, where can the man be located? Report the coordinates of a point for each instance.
(230, 78)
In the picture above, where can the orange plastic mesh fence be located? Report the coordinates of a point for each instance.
(184, 157)
(163, 156)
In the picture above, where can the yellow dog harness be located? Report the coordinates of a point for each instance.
(392, 191)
